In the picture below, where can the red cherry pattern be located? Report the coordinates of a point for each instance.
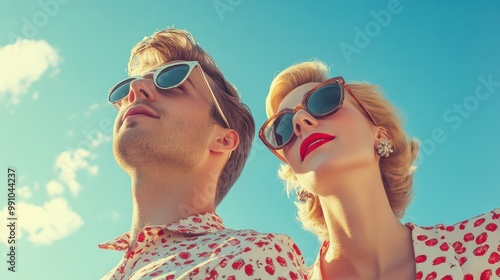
(203, 249)
(469, 250)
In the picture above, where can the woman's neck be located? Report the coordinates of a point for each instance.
(366, 239)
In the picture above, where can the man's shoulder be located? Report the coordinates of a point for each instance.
(258, 254)
(252, 234)
(250, 237)
(249, 242)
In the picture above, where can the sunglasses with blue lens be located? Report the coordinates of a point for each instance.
(166, 77)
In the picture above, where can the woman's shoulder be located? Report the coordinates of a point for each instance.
(489, 221)
(471, 246)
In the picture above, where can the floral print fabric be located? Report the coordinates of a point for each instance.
(206, 250)
(467, 250)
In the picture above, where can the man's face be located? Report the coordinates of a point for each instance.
(168, 126)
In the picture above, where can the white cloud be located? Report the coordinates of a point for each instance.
(69, 163)
(35, 95)
(36, 186)
(93, 106)
(44, 224)
(99, 139)
(24, 192)
(54, 72)
(23, 63)
(54, 188)
(74, 187)
(93, 170)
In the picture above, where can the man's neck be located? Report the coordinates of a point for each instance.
(162, 198)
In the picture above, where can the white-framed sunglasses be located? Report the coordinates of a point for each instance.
(166, 77)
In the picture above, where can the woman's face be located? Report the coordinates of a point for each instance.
(328, 150)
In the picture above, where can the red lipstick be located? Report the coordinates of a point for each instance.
(312, 142)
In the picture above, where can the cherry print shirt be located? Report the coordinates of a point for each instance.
(206, 250)
(467, 250)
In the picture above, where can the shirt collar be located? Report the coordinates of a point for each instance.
(202, 223)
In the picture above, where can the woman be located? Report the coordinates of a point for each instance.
(347, 155)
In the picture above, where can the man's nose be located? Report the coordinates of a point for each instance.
(141, 89)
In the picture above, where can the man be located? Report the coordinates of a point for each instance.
(183, 136)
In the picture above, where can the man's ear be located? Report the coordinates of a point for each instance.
(226, 141)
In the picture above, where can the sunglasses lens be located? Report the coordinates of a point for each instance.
(280, 130)
(172, 76)
(120, 91)
(325, 99)
(321, 102)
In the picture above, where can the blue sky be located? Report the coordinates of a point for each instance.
(438, 62)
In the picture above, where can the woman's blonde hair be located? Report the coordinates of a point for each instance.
(396, 170)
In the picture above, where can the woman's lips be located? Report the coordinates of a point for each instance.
(313, 142)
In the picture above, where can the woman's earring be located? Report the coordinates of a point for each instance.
(304, 195)
(384, 149)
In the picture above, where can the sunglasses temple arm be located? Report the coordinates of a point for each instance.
(279, 156)
(360, 104)
(214, 99)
